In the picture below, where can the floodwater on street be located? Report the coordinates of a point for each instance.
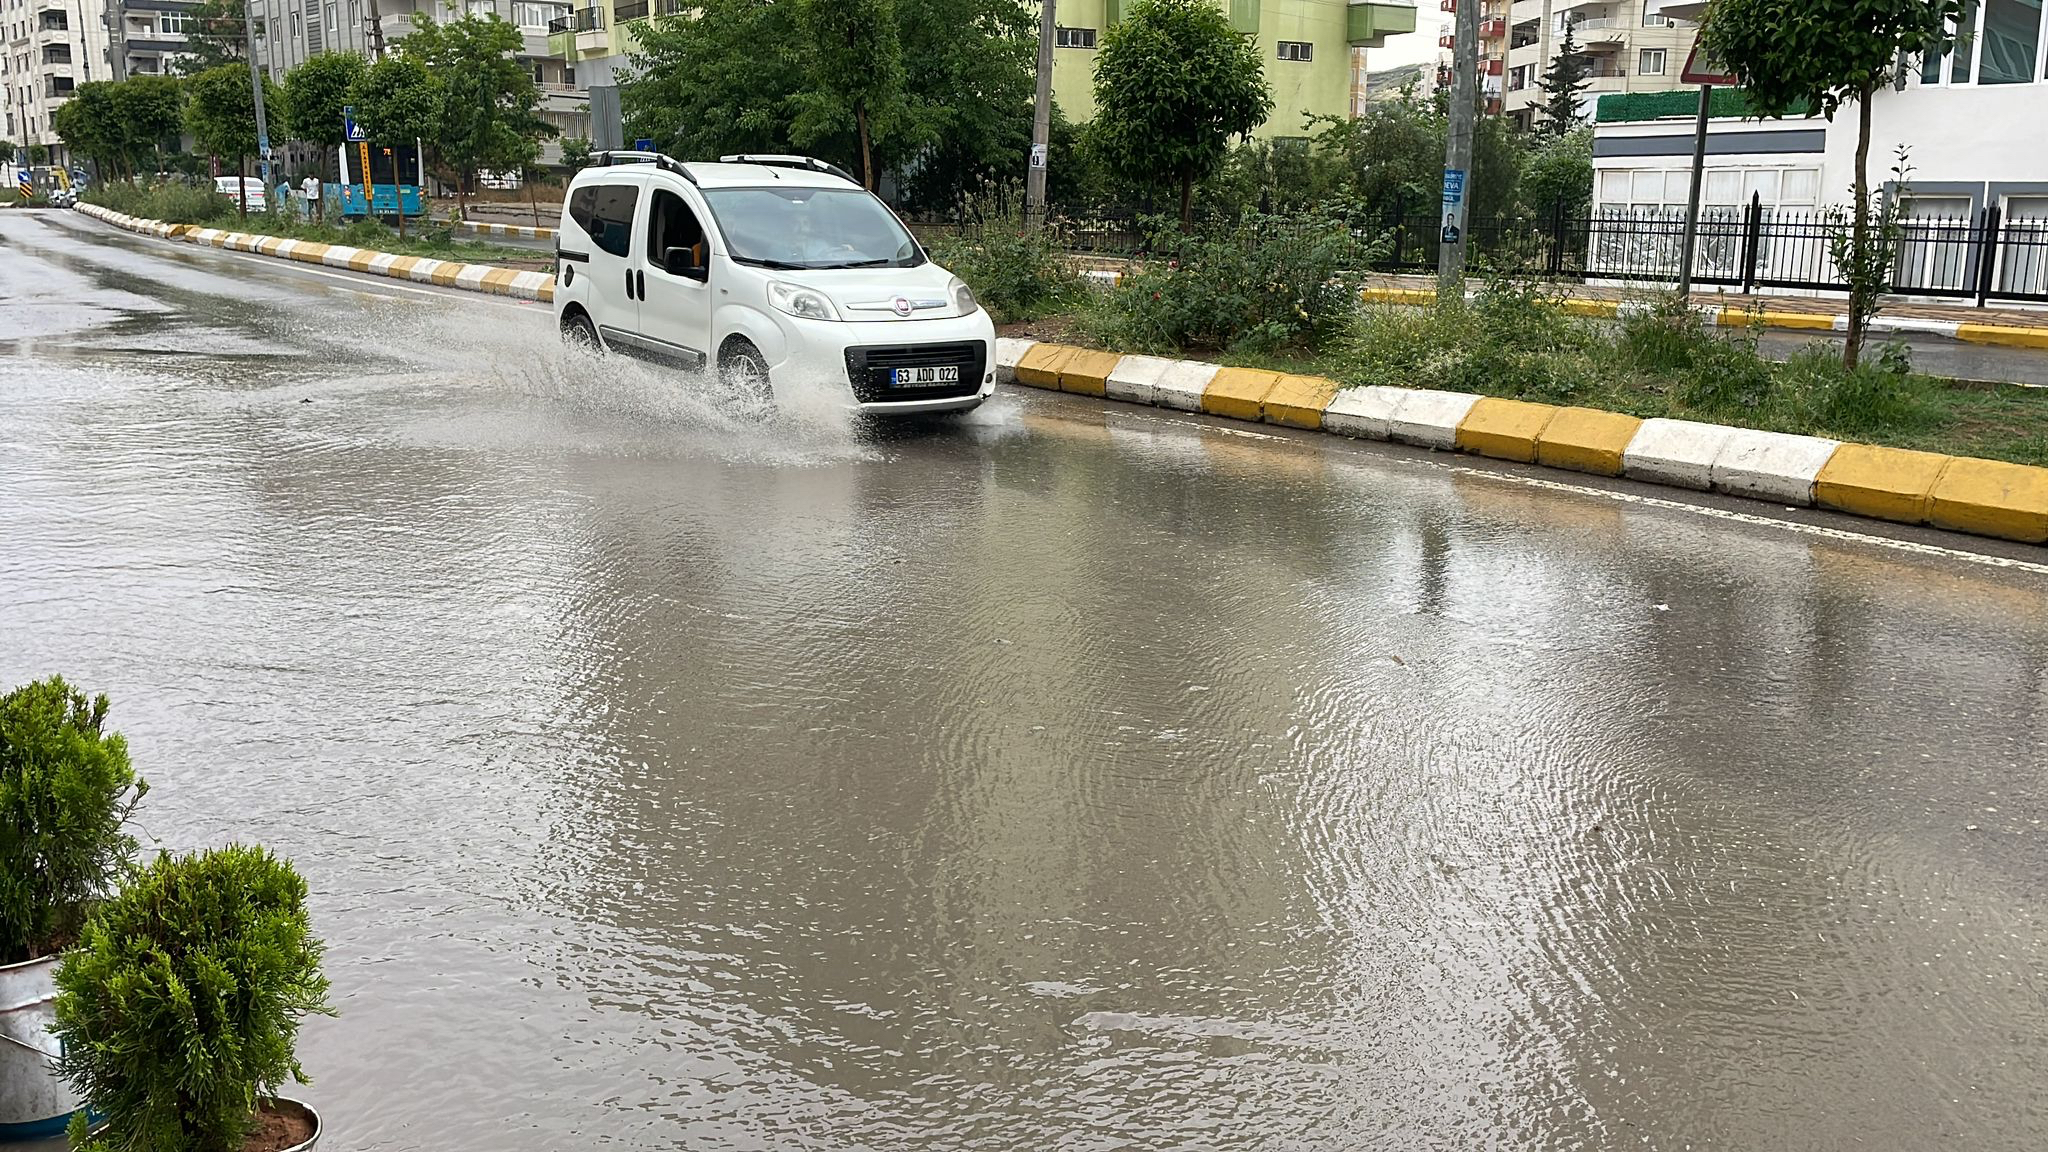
(1067, 776)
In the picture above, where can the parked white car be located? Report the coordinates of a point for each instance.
(779, 271)
(225, 185)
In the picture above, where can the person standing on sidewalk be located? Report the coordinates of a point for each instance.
(310, 187)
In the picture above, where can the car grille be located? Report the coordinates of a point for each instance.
(867, 369)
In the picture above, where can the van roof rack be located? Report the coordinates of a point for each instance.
(630, 156)
(807, 163)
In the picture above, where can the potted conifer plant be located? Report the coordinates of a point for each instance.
(179, 1009)
(66, 791)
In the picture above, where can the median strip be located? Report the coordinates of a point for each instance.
(485, 278)
(1959, 493)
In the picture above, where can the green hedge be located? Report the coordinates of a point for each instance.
(1625, 108)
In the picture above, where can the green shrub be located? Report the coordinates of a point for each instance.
(1514, 339)
(1712, 375)
(66, 789)
(1016, 274)
(180, 1007)
(1270, 283)
(171, 201)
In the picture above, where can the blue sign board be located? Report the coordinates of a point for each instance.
(1454, 186)
(643, 144)
(352, 131)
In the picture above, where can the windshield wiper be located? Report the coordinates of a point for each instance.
(859, 264)
(779, 265)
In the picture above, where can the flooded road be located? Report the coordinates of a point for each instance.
(1066, 777)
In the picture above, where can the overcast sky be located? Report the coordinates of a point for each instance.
(1417, 46)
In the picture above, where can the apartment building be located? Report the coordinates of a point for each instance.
(51, 47)
(1632, 46)
(1314, 49)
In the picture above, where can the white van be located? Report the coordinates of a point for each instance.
(251, 187)
(777, 270)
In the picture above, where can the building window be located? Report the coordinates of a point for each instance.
(1074, 38)
(2010, 41)
(174, 23)
(1297, 50)
(334, 17)
(1650, 62)
(534, 16)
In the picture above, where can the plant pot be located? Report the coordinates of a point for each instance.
(285, 1106)
(34, 1103)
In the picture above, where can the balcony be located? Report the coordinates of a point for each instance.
(581, 20)
(1603, 30)
(1493, 29)
(636, 10)
(1368, 23)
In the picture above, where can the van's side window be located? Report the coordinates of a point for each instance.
(670, 224)
(606, 212)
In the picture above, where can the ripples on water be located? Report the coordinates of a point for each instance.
(1042, 779)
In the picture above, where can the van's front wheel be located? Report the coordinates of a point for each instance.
(744, 373)
(579, 333)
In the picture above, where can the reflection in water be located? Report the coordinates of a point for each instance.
(1057, 777)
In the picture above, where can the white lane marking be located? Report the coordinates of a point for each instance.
(1729, 514)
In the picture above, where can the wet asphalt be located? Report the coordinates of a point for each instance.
(1063, 776)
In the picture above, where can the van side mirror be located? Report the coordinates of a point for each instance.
(684, 262)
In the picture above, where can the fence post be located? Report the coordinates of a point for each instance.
(1557, 237)
(1752, 240)
(1400, 233)
(1987, 254)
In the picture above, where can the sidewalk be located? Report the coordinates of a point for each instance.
(2010, 327)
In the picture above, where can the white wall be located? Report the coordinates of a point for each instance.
(1956, 135)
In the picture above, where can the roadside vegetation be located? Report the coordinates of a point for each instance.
(176, 202)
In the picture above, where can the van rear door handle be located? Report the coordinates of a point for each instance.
(642, 274)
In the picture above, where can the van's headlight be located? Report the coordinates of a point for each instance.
(798, 300)
(963, 297)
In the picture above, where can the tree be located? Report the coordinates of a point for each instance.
(715, 79)
(856, 61)
(728, 76)
(90, 126)
(399, 99)
(1173, 83)
(1824, 54)
(221, 115)
(1557, 177)
(576, 153)
(217, 34)
(1564, 84)
(153, 109)
(488, 115)
(317, 91)
(121, 125)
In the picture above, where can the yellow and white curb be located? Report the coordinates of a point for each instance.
(485, 278)
(518, 230)
(2005, 335)
(1959, 493)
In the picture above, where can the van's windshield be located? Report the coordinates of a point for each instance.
(795, 227)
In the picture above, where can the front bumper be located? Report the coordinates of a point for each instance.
(815, 353)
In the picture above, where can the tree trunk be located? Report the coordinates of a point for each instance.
(242, 183)
(1859, 283)
(1187, 202)
(867, 163)
(462, 180)
(532, 201)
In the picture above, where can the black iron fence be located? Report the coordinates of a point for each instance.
(1981, 259)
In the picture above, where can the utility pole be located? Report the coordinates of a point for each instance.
(256, 86)
(1692, 199)
(1450, 265)
(1041, 122)
(376, 31)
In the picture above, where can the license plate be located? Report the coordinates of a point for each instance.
(924, 377)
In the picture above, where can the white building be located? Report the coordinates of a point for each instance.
(51, 47)
(1975, 127)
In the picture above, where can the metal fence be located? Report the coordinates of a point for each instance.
(1981, 259)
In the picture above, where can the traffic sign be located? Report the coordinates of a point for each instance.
(1707, 71)
(644, 144)
(352, 130)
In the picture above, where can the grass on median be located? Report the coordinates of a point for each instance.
(178, 203)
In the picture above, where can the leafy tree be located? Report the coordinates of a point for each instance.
(715, 79)
(90, 125)
(1173, 83)
(856, 62)
(1557, 175)
(1824, 54)
(121, 125)
(399, 99)
(762, 76)
(153, 110)
(576, 153)
(1563, 85)
(217, 35)
(968, 124)
(317, 91)
(488, 118)
(221, 115)
(38, 154)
